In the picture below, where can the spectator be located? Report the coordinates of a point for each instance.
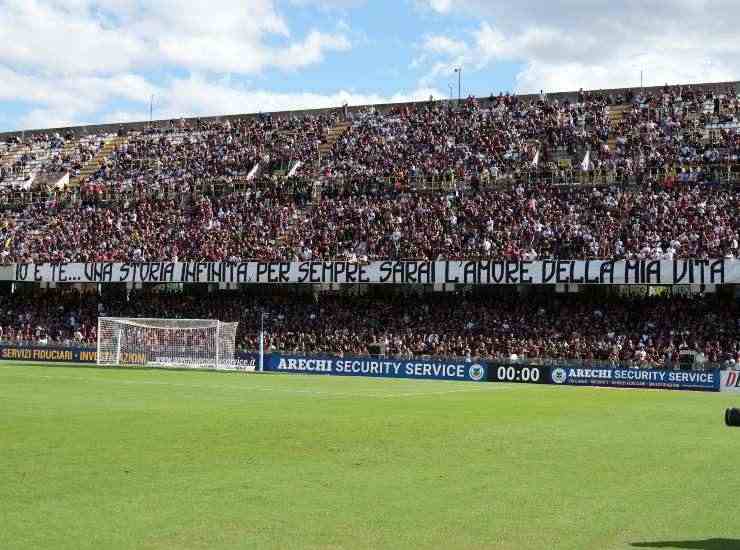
(640, 331)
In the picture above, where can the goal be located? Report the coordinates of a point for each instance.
(167, 343)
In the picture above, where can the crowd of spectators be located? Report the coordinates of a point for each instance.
(71, 159)
(537, 326)
(514, 222)
(677, 131)
(35, 150)
(680, 132)
(185, 153)
(491, 136)
(40, 160)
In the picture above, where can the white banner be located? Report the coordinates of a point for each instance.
(599, 272)
(730, 381)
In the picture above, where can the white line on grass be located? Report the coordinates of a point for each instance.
(474, 388)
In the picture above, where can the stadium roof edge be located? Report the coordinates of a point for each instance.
(115, 126)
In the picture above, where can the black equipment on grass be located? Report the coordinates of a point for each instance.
(732, 417)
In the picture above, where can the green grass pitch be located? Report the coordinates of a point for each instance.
(93, 458)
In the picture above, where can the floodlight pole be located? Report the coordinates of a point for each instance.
(262, 341)
(458, 70)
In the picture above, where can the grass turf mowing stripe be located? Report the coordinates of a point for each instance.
(90, 460)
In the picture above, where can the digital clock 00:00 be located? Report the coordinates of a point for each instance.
(524, 374)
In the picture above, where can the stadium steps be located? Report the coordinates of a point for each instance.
(39, 153)
(46, 180)
(69, 147)
(561, 158)
(616, 115)
(332, 136)
(110, 145)
(616, 112)
(316, 193)
(12, 154)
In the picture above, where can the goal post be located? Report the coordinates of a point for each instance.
(167, 343)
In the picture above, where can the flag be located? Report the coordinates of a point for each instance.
(62, 181)
(295, 168)
(253, 172)
(586, 161)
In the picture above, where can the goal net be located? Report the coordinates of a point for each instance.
(167, 343)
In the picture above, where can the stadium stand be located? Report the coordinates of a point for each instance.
(181, 155)
(679, 132)
(536, 326)
(619, 174)
(513, 222)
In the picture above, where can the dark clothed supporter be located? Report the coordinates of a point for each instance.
(536, 326)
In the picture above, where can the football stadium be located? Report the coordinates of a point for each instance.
(502, 320)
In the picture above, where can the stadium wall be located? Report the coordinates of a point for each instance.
(378, 367)
(730, 381)
(690, 380)
(44, 354)
(712, 380)
(491, 371)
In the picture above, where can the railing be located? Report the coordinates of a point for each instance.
(723, 175)
(718, 174)
(10, 198)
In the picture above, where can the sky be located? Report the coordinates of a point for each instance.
(74, 62)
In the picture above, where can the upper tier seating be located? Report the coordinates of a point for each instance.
(680, 133)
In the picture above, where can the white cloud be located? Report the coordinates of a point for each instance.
(199, 96)
(445, 54)
(329, 4)
(444, 45)
(46, 37)
(311, 50)
(83, 37)
(82, 61)
(85, 100)
(75, 61)
(597, 44)
(232, 38)
(74, 95)
(442, 6)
